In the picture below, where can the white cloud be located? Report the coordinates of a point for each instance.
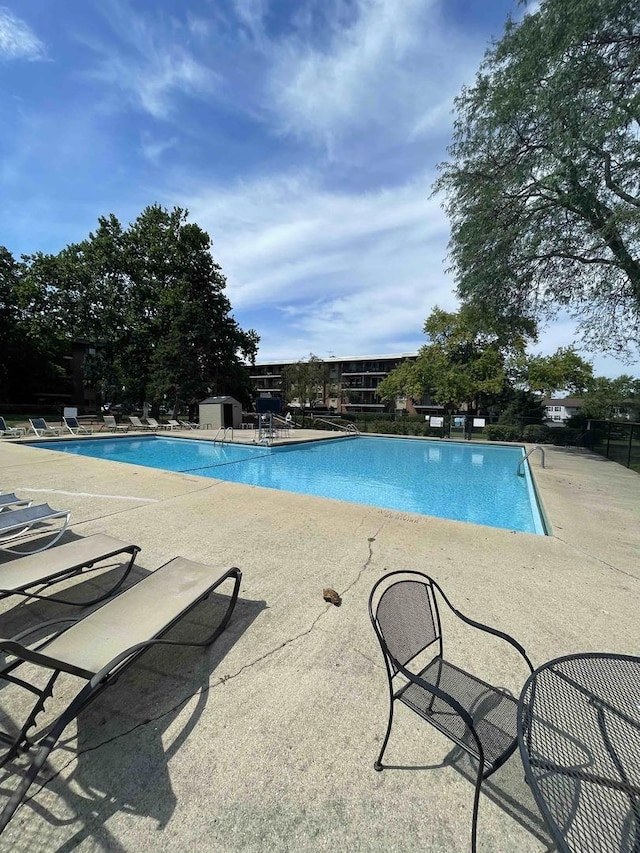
(152, 62)
(343, 271)
(17, 40)
(154, 149)
(393, 63)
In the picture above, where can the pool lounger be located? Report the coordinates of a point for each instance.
(98, 647)
(62, 563)
(18, 522)
(9, 501)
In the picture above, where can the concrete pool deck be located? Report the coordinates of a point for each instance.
(266, 741)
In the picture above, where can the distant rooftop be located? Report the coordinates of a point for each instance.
(338, 358)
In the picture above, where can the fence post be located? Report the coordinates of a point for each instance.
(630, 445)
(608, 438)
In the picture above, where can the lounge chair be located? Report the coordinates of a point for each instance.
(16, 432)
(153, 423)
(19, 522)
(189, 425)
(110, 423)
(173, 424)
(75, 427)
(136, 423)
(64, 562)
(9, 501)
(41, 427)
(99, 646)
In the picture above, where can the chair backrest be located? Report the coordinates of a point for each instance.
(38, 423)
(109, 420)
(72, 423)
(3, 425)
(153, 422)
(135, 420)
(406, 617)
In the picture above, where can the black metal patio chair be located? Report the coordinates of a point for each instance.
(479, 718)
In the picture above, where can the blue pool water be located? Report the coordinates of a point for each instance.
(461, 481)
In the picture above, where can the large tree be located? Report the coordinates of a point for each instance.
(564, 370)
(542, 184)
(462, 365)
(32, 365)
(305, 381)
(151, 299)
(608, 398)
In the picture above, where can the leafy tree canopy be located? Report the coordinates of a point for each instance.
(564, 370)
(542, 183)
(150, 298)
(607, 397)
(462, 364)
(305, 380)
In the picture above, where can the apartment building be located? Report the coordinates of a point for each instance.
(560, 409)
(350, 385)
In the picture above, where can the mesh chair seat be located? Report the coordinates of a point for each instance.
(494, 713)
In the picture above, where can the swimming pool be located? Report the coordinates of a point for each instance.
(456, 480)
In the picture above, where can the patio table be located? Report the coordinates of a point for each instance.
(579, 738)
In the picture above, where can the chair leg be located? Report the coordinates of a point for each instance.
(476, 804)
(378, 764)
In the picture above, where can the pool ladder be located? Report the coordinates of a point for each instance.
(224, 432)
(520, 471)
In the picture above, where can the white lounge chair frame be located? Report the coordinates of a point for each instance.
(75, 427)
(154, 424)
(98, 647)
(110, 423)
(10, 501)
(14, 432)
(16, 523)
(41, 427)
(136, 423)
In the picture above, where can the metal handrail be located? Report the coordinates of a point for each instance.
(224, 431)
(351, 428)
(524, 459)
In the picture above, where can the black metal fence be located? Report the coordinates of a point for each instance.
(617, 440)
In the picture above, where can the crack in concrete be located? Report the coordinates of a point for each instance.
(367, 562)
(208, 687)
(591, 556)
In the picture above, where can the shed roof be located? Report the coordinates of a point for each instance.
(214, 400)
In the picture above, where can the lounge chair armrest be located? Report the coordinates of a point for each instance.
(24, 653)
(17, 638)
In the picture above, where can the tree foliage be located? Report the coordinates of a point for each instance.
(149, 298)
(463, 365)
(564, 370)
(542, 183)
(305, 381)
(607, 397)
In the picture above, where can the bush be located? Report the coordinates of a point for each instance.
(501, 432)
(564, 436)
(535, 433)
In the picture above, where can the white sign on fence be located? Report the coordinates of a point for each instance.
(436, 421)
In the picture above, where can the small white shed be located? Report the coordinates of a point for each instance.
(220, 412)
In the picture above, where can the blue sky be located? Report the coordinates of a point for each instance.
(302, 135)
